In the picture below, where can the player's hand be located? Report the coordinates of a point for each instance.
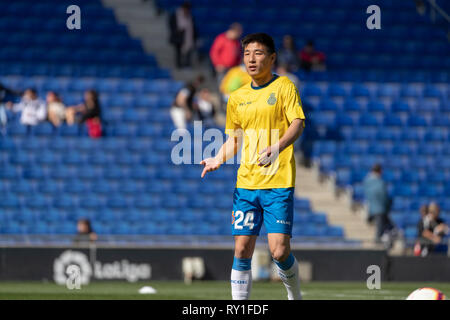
(210, 164)
(268, 155)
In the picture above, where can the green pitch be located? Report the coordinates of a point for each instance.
(211, 290)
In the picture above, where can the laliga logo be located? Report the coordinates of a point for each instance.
(65, 273)
(73, 269)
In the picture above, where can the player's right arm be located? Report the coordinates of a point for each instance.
(228, 150)
(233, 144)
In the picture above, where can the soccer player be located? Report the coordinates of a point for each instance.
(266, 117)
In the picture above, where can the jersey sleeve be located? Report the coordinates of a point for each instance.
(292, 103)
(232, 124)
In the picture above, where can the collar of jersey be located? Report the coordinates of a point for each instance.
(275, 76)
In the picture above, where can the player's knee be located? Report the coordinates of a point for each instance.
(280, 253)
(242, 251)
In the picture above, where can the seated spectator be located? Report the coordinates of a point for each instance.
(56, 109)
(6, 93)
(183, 108)
(311, 59)
(85, 233)
(431, 231)
(88, 111)
(206, 107)
(287, 55)
(283, 70)
(423, 211)
(33, 110)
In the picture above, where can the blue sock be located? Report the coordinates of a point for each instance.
(242, 264)
(286, 264)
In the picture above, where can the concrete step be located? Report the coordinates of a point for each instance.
(323, 199)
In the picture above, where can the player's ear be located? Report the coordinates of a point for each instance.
(273, 57)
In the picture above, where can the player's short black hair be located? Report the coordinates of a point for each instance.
(262, 38)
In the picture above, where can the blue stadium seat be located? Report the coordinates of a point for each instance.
(146, 202)
(336, 90)
(43, 129)
(400, 106)
(64, 202)
(91, 202)
(376, 106)
(36, 201)
(417, 121)
(368, 120)
(352, 105)
(117, 201)
(66, 130)
(359, 90)
(386, 90)
(310, 89)
(335, 231)
(327, 105)
(409, 91)
(431, 91)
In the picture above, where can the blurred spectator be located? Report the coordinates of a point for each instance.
(33, 110)
(378, 201)
(85, 233)
(423, 211)
(56, 109)
(206, 107)
(431, 231)
(182, 35)
(6, 93)
(311, 59)
(283, 70)
(287, 55)
(88, 111)
(235, 78)
(183, 107)
(420, 7)
(225, 51)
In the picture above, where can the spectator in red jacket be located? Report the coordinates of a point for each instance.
(225, 51)
(311, 59)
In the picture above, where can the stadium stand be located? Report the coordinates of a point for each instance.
(391, 107)
(124, 182)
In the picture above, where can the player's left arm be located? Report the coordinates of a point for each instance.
(268, 155)
(294, 114)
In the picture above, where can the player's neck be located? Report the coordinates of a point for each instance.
(259, 82)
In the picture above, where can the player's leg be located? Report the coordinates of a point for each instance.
(278, 206)
(287, 265)
(241, 272)
(246, 224)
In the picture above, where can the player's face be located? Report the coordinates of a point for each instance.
(257, 60)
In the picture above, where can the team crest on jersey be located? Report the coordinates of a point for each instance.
(272, 99)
